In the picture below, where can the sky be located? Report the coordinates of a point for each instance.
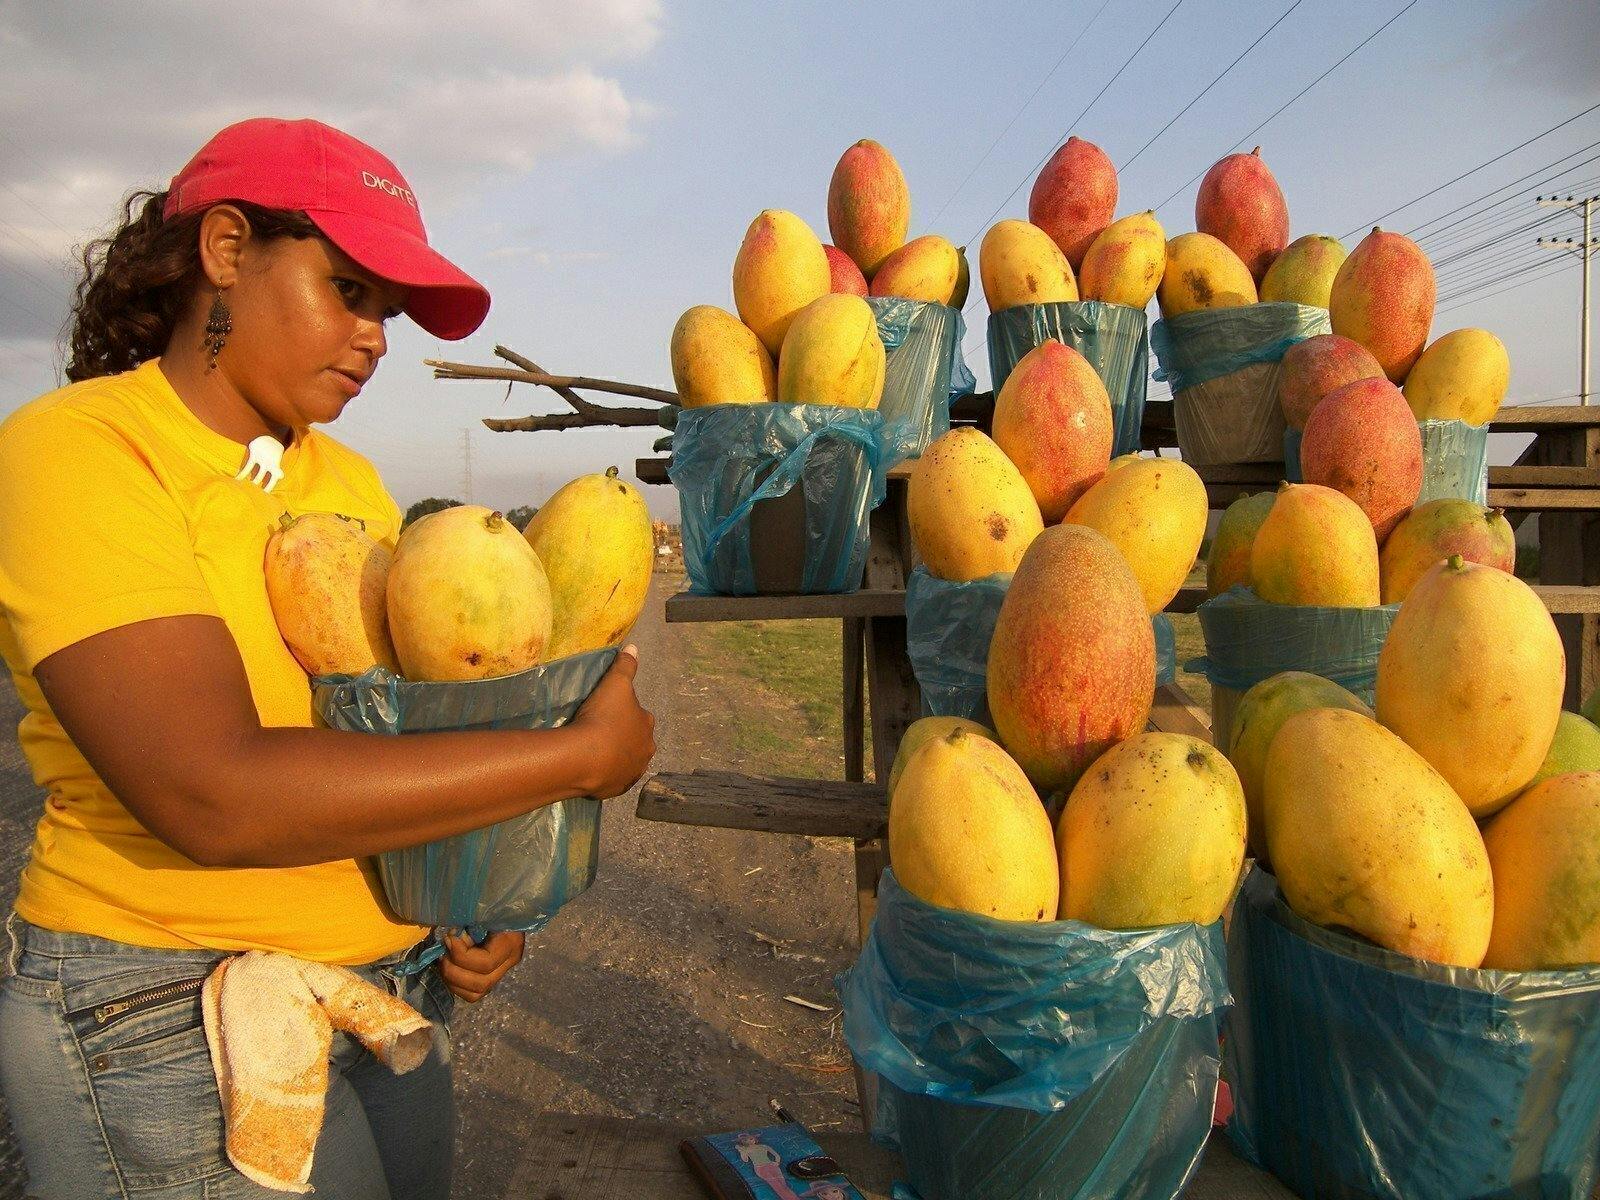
(596, 164)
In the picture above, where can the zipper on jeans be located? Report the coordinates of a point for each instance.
(149, 998)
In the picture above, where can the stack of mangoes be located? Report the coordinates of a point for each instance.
(464, 595)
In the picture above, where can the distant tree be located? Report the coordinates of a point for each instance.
(423, 507)
(521, 515)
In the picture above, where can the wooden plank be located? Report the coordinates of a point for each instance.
(688, 607)
(651, 470)
(1540, 419)
(1545, 499)
(1569, 553)
(854, 713)
(1558, 598)
(766, 804)
(1175, 711)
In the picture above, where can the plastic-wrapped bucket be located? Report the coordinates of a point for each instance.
(1455, 460)
(924, 372)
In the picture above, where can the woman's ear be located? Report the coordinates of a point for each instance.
(224, 230)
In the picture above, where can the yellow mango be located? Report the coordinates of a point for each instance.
(1316, 546)
(1383, 297)
(832, 354)
(1463, 376)
(967, 831)
(325, 581)
(1576, 747)
(595, 542)
(1152, 834)
(1228, 563)
(781, 267)
(717, 359)
(1545, 853)
(1154, 510)
(1018, 264)
(1304, 272)
(1125, 262)
(1364, 835)
(467, 597)
(925, 268)
(1201, 272)
(1471, 676)
(920, 732)
(970, 509)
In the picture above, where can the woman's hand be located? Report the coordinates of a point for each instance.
(471, 972)
(619, 734)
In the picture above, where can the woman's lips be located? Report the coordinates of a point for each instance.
(349, 383)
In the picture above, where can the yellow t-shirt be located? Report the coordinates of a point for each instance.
(117, 505)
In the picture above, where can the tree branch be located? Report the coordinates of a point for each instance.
(557, 383)
(627, 417)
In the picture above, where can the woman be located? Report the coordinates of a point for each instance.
(193, 809)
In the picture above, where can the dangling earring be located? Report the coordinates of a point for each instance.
(219, 324)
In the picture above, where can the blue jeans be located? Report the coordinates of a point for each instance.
(104, 1066)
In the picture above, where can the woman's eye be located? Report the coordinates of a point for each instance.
(349, 289)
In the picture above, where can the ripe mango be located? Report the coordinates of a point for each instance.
(717, 359)
(1463, 376)
(1153, 834)
(1318, 367)
(594, 540)
(1261, 712)
(1471, 677)
(925, 268)
(1019, 264)
(966, 831)
(781, 267)
(467, 597)
(1434, 531)
(1053, 420)
(325, 582)
(1545, 853)
(1303, 273)
(1073, 658)
(832, 354)
(847, 279)
(1201, 272)
(1240, 204)
(869, 206)
(1576, 747)
(1154, 510)
(1316, 546)
(970, 509)
(1074, 197)
(1228, 564)
(920, 732)
(1363, 441)
(1383, 298)
(1125, 261)
(1364, 835)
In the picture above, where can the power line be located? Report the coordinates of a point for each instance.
(1489, 218)
(1413, 232)
(1456, 302)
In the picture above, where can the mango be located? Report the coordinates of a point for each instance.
(1544, 850)
(1318, 367)
(920, 732)
(1074, 197)
(869, 206)
(1153, 834)
(781, 267)
(967, 832)
(1125, 261)
(847, 279)
(1316, 546)
(1576, 747)
(1053, 420)
(467, 597)
(1201, 272)
(1363, 441)
(1365, 836)
(1073, 658)
(1261, 712)
(717, 359)
(970, 510)
(1463, 376)
(833, 355)
(1240, 204)
(1019, 264)
(1434, 531)
(958, 298)
(1228, 563)
(1303, 273)
(1154, 510)
(1471, 677)
(596, 545)
(925, 268)
(325, 582)
(1383, 298)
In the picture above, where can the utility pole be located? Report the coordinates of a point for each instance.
(466, 463)
(1583, 249)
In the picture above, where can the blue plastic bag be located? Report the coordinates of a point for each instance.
(921, 378)
(1113, 337)
(1455, 460)
(514, 875)
(726, 458)
(1051, 1059)
(1359, 1072)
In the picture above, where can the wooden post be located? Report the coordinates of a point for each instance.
(854, 714)
(1569, 553)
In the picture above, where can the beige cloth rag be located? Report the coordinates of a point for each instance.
(269, 1023)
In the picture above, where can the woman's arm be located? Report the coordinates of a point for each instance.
(162, 711)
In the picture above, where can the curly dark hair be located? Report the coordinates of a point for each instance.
(137, 280)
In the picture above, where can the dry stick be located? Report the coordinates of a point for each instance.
(579, 404)
(450, 370)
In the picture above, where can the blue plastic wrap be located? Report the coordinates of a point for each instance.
(1359, 1072)
(1166, 648)
(514, 875)
(1113, 337)
(1037, 1060)
(920, 380)
(726, 458)
(1455, 460)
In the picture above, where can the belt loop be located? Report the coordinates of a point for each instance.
(14, 954)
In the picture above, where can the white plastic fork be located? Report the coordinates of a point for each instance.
(263, 465)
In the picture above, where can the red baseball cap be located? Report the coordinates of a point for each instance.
(354, 195)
